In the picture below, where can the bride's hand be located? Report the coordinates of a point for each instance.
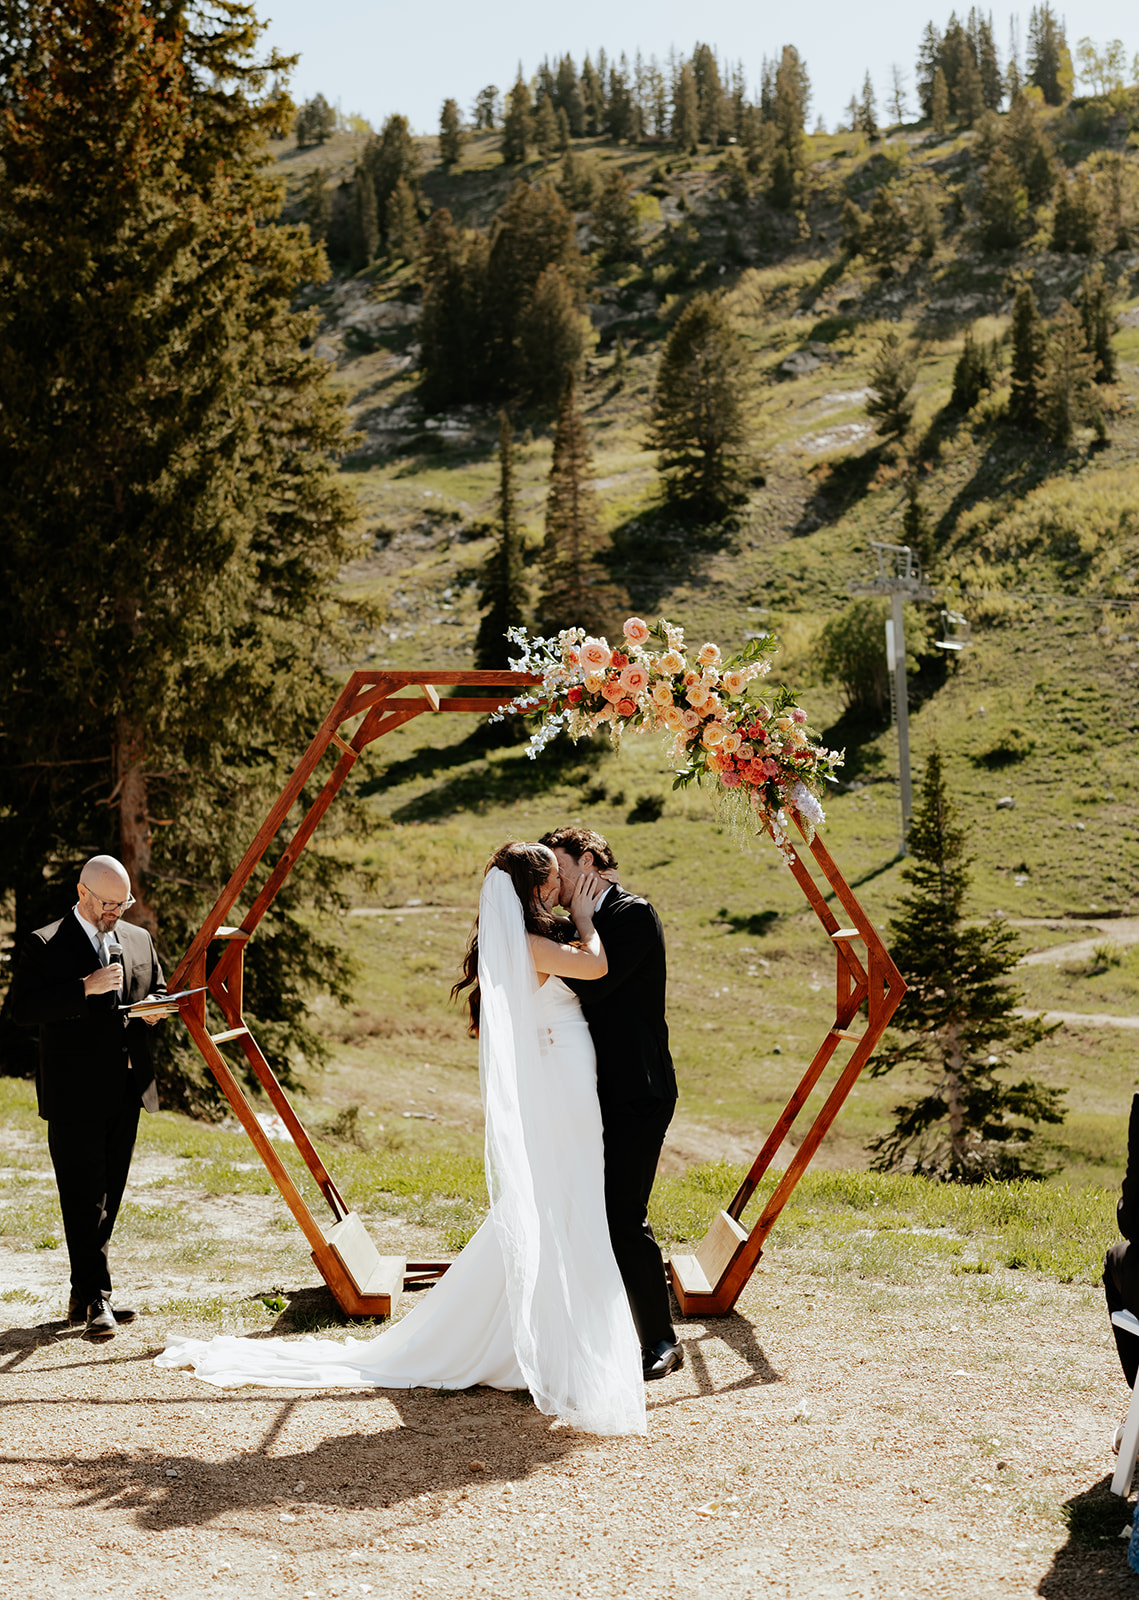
(588, 892)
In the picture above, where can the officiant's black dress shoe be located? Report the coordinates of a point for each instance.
(101, 1322)
(662, 1359)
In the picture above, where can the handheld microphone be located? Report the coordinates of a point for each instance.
(114, 953)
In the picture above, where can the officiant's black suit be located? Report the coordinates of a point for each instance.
(1121, 1268)
(636, 1086)
(95, 1071)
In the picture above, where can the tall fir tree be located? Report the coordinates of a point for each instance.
(518, 124)
(1067, 396)
(959, 1021)
(576, 589)
(402, 227)
(171, 525)
(502, 592)
(701, 426)
(452, 134)
(1099, 323)
(389, 157)
(686, 110)
(1049, 60)
(546, 134)
(614, 219)
(939, 104)
(1027, 353)
(892, 374)
(364, 230)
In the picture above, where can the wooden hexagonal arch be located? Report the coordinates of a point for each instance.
(370, 705)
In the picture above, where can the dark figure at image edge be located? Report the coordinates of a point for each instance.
(95, 1070)
(636, 1083)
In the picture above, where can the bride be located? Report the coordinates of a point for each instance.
(535, 1299)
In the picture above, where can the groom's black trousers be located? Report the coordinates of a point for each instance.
(634, 1132)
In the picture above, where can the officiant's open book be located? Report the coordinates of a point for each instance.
(159, 1005)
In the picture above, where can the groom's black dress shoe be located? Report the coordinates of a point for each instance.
(662, 1359)
(77, 1311)
(100, 1320)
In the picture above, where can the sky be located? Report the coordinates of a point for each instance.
(376, 58)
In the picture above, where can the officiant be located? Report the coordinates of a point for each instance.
(74, 980)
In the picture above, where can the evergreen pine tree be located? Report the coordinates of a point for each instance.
(401, 222)
(989, 66)
(868, 109)
(614, 219)
(170, 516)
(892, 374)
(1003, 205)
(1028, 147)
(317, 203)
(958, 1020)
(973, 374)
(452, 330)
(576, 590)
(392, 156)
(546, 134)
(316, 121)
(487, 109)
(569, 97)
(928, 63)
(452, 134)
(700, 416)
(917, 531)
(1067, 396)
(1027, 351)
(577, 181)
(564, 134)
(1049, 61)
(551, 337)
(709, 93)
(686, 110)
(939, 104)
(593, 99)
(502, 592)
(969, 91)
(1099, 324)
(364, 235)
(792, 98)
(517, 127)
(532, 231)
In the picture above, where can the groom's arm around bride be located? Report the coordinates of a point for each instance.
(636, 1084)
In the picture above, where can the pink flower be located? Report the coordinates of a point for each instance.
(771, 768)
(635, 679)
(595, 655)
(709, 655)
(636, 631)
(730, 779)
(745, 752)
(613, 690)
(618, 660)
(574, 695)
(626, 707)
(798, 716)
(691, 719)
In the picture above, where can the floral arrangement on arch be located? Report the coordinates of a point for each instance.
(759, 753)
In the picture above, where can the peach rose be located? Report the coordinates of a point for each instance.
(715, 762)
(634, 679)
(690, 719)
(735, 682)
(595, 655)
(636, 631)
(690, 678)
(594, 683)
(626, 707)
(672, 717)
(697, 696)
(613, 690)
(731, 741)
(712, 736)
(672, 662)
(662, 694)
(745, 752)
(709, 655)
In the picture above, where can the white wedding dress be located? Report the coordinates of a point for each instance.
(535, 1299)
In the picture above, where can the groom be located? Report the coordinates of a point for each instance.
(636, 1084)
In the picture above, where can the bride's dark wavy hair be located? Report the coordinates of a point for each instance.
(527, 866)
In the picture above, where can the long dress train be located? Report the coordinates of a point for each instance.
(535, 1299)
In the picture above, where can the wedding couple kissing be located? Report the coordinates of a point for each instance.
(562, 1290)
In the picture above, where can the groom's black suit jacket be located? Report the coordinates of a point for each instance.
(625, 1008)
(89, 1055)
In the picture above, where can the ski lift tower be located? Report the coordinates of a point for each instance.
(899, 576)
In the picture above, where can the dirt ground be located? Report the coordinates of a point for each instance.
(832, 1438)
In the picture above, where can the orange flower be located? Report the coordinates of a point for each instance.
(636, 631)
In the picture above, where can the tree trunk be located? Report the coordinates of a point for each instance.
(134, 820)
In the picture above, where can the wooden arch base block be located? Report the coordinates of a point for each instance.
(373, 1282)
(710, 1282)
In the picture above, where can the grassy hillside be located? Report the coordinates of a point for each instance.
(1040, 709)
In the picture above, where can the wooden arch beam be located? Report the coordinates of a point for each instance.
(371, 705)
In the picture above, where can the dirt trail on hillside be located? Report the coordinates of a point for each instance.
(834, 1437)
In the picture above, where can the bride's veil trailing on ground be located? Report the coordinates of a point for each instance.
(570, 1319)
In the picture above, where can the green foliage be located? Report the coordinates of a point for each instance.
(939, 105)
(547, 135)
(364, 234)
(517, 127)
(551, 337)
(578, 181)
(686, 110)
(892, 375)
(615, 219)
(1100, 324)
(183, 564)
(387, 159)
(452, 134)
(700, 414)
(1003, 205)
(1048, 59)
(316, 121)
(1076, 222)
(576, 589)
(317, 204)
(974, 374)
(1027, 353)
(1067, 396)
(502, 593)
(401, 222)
(852, 653)
(959, 1020)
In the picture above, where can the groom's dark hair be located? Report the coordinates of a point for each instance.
(576, 841)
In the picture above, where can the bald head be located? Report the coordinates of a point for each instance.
(104, 892)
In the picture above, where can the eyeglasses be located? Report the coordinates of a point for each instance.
(116, 906)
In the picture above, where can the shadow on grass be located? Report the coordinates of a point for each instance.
(486, 784)
(1094, 1560)
(432, 759)
(844, 482)
(662, 547)
(756, 924)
